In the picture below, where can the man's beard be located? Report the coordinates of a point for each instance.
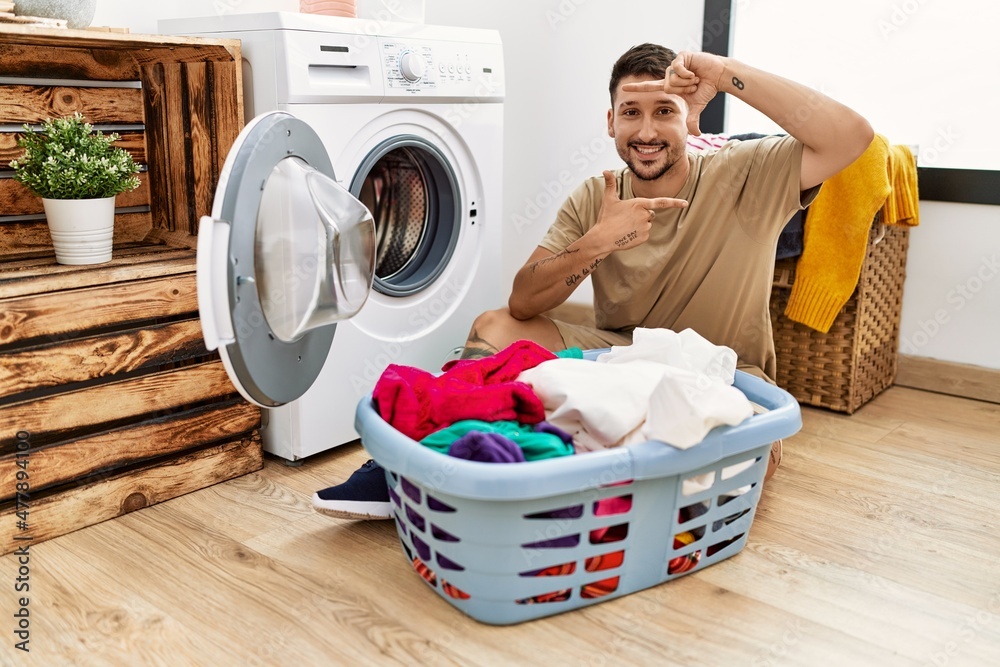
(669, 160)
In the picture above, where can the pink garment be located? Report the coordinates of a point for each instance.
(504, 366)
(706, 142)
(416, 403)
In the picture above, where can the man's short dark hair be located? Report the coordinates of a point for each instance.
(642, 60)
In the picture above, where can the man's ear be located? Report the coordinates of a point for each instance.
(611, 125)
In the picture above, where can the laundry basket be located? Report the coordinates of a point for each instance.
(506, 543)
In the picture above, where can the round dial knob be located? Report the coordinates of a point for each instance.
(411, 66)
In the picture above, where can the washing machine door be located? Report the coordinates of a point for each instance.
(285, 255)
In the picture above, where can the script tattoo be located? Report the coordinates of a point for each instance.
(593, 265)
(739, 84)
(552, 258)
(573, 279)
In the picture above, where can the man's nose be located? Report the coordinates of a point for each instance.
(647, 129)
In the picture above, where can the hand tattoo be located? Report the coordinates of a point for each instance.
(625, 240)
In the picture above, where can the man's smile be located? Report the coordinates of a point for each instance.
(648, 150)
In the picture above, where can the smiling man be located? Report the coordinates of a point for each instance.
(673, 240)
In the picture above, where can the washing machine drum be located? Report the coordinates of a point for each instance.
(411, 190)
(285, 255)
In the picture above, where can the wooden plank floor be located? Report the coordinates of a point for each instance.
(877, 543)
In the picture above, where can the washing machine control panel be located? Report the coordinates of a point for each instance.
(440, 69)
(409, 65)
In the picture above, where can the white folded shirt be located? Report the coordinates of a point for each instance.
(665, 386)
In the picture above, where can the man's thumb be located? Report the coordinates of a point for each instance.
(693, 122)
(610, 185)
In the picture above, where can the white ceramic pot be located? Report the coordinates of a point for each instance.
(76, 13)
(81, 229)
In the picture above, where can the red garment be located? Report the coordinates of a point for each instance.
(416, 403)
(504, 366)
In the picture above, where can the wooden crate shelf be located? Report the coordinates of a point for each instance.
(104, 365)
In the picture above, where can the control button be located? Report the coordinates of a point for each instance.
(443, 68)
(411, 66)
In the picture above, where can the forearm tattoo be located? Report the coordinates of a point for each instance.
(739, 84)
(574, 278)
(552, 258)
(476, 347)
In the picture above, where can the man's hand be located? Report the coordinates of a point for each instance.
(696, 77)
(626, 224)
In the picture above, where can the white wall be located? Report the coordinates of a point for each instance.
(951, 299)
(141, 17)
(921, 72)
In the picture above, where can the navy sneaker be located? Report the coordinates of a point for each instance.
(365, 495)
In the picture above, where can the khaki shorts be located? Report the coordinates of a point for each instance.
(590, 338)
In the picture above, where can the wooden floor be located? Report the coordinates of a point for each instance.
(877, 543)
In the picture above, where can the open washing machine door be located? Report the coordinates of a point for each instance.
(285, 255)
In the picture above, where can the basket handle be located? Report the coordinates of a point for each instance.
(783, 278)
(881, 233)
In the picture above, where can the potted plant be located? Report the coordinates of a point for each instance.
(77, 172)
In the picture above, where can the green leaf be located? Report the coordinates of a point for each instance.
(68, 159)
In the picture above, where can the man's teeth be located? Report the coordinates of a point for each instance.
(647, 149)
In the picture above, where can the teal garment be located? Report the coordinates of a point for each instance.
(570, 353)
(536, 446)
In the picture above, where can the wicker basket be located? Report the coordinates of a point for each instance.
(847, 367)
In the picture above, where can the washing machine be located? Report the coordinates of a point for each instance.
(411, 117)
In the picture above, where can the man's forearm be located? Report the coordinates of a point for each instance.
(548, 281)
(823, 125)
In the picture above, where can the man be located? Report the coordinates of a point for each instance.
(675, 240)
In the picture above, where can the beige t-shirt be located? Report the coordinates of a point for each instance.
(709, 266)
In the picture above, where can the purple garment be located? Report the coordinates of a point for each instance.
(486, 447)
(545, 427)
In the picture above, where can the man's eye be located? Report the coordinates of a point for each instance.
(666, 111)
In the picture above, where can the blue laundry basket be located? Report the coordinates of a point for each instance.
(507, 543)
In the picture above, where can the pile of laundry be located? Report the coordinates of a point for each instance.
(526, 403)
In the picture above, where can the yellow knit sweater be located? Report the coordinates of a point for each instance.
(836, 237)
(902, 207)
